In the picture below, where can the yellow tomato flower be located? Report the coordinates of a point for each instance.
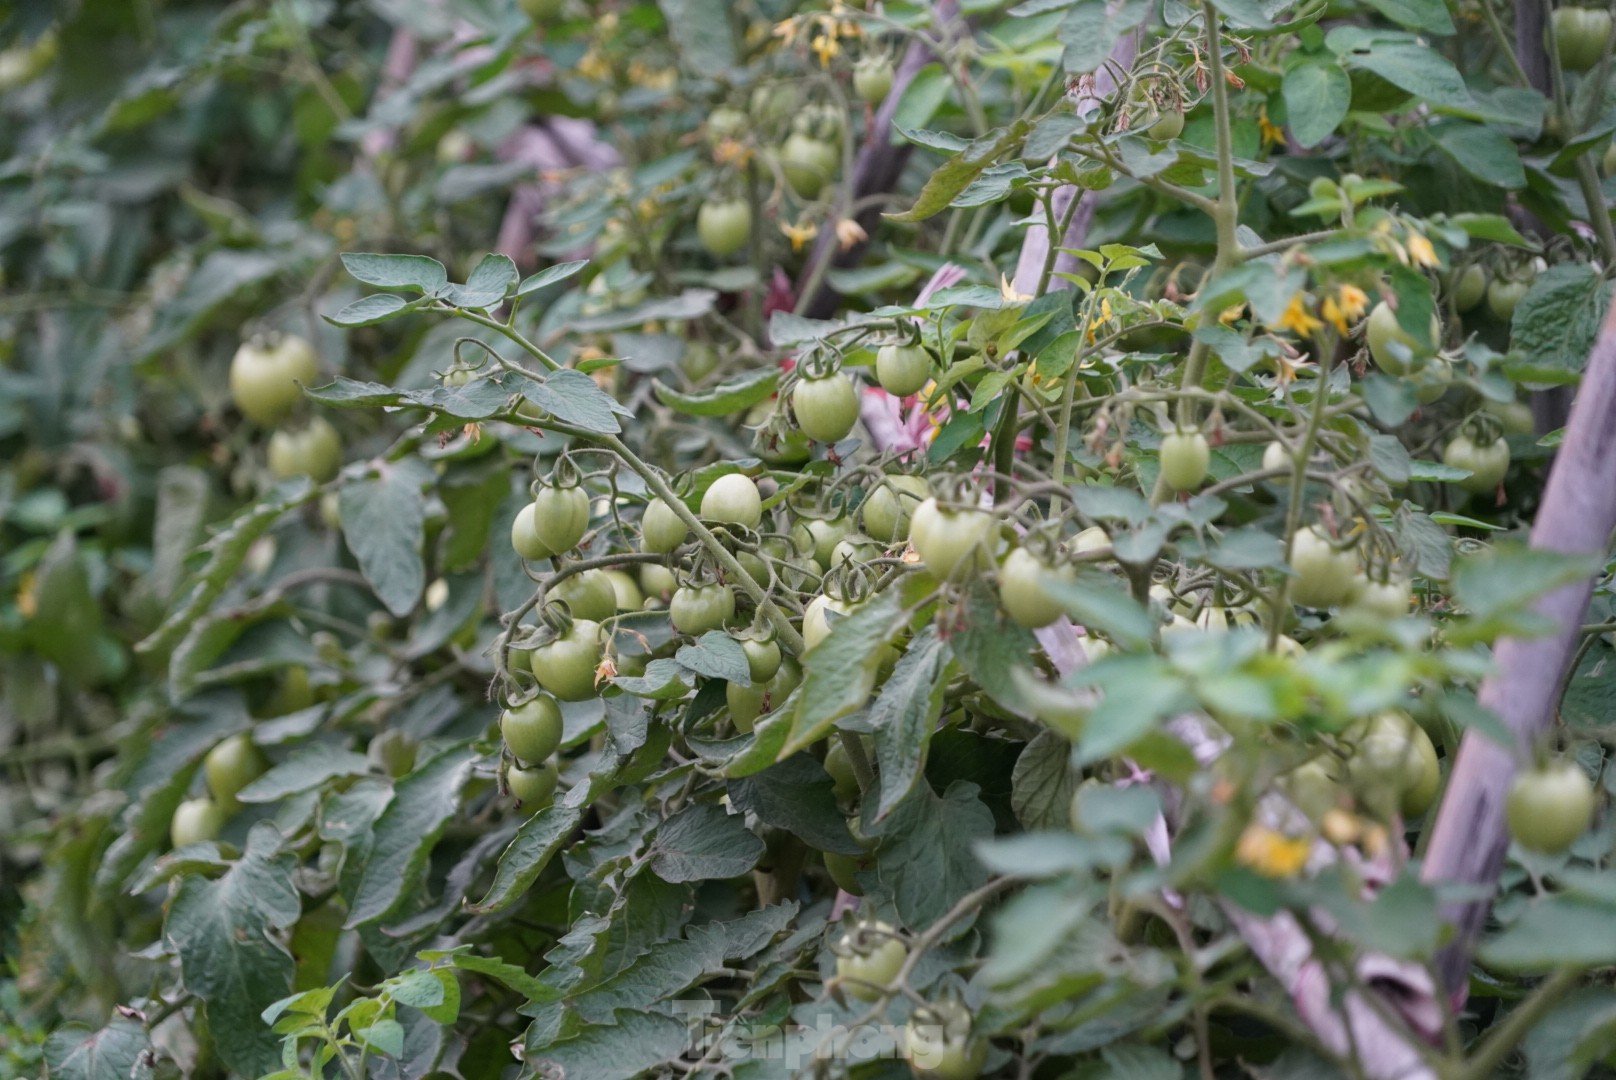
(1297, 319)
(1345, 307)
(1270, 853)
(1420, 250)
(799, 235)
(850, 233)
(1272, 133)
(826, 48)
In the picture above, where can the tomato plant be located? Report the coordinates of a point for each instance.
(993, 535)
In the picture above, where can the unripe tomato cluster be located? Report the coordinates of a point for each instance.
(267, 378)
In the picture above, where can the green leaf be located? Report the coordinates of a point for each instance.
(636, 1042)
(797, 795)
(1406, 64)
(1042, 785)
(368, 311)
(397, 271)
(839, 672)
(989, 647)
(1484, 152)
(230, 936)
(1558, 319)
(490, 282)
(904, 716)
(305, 770)
(1095, 600)
(1555, 931)
(702, 843)
(701, 32)
(1430, 16)
(728, 397)
(1317, 95)
(423, 803)
(956, 174)
(716, 655)
(572, 398)
(384, 523)
(550, 275)
(535, 844)
(120, 1051)
(1243, 14)
(1573, 1036)
(1092, 28)
(926, 856)
(1508, 578)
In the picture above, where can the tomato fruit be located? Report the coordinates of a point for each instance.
(809, 163)
(724, 226)
(661, 529)
(392, 751)
(560, 516)
(1387, 599)
(1515, 417)
(869, 956)
(890, 505)
(658, 582)
(1322, 576)
(566, 664)
(1550, 806)
(872, 78)
(1487, 463)
(823, 536)
(1185, 458)
(588, 595)
(816, 618)
(1024, 589)
(940, 1047)
(1579, 36)
(745, 704)
(1395, 350)
(727, 123)
(733, 499)
(845, 869)
(314, 451)
(1314, 786)
(1433, 380)
(629, 597)
(1092, 538)
(696, 609)
(945, 540)
(532, 729)
(1164, 125)
(532, 786)
(1504, 295)
(1469, 287)
(525, 539)
(230, 766)
(1393, 764)
(265, 375)
(826, 408)
(194, 821)
(902, 369)
(843, 780)
(762, 656)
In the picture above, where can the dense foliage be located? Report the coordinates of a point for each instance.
(953, 538)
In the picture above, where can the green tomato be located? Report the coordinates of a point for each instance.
(745, 703)
(854, 550)
(1434, 380)
(588, 595)
(525, 539)
(315, 451)
(696, 609)
(890, 505)
(1549, 807)
(843, 780)
(628, 594)
(762, 657)
(1322, 576)
(816, 619)
(265, 375)
(230, 766)
(1488, 463)
(1579, 36)
(533, 787)
(1469, 287)
(661, 529)
(560, 516)
(698, 361)
(194, 821)
(727, 123)
(809, 164)
(939, 1051)
(658, 582)
(733, 499)
(826, 408)
(869, 957)
(1515, 417)
(1024, 589)
(1165, 125)
(845, 869)
(1504, 295)
(1393, 764)
(1607, 163)
(1395, 350)
(872, 78)
(1185, 459)
(823, 536)
(392, 751)
(566, 665)
(532, 730)
(902, 369)
(1276, 456)
(946, 540)
(1387, 599)
(724, 226)
(1314, 786)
